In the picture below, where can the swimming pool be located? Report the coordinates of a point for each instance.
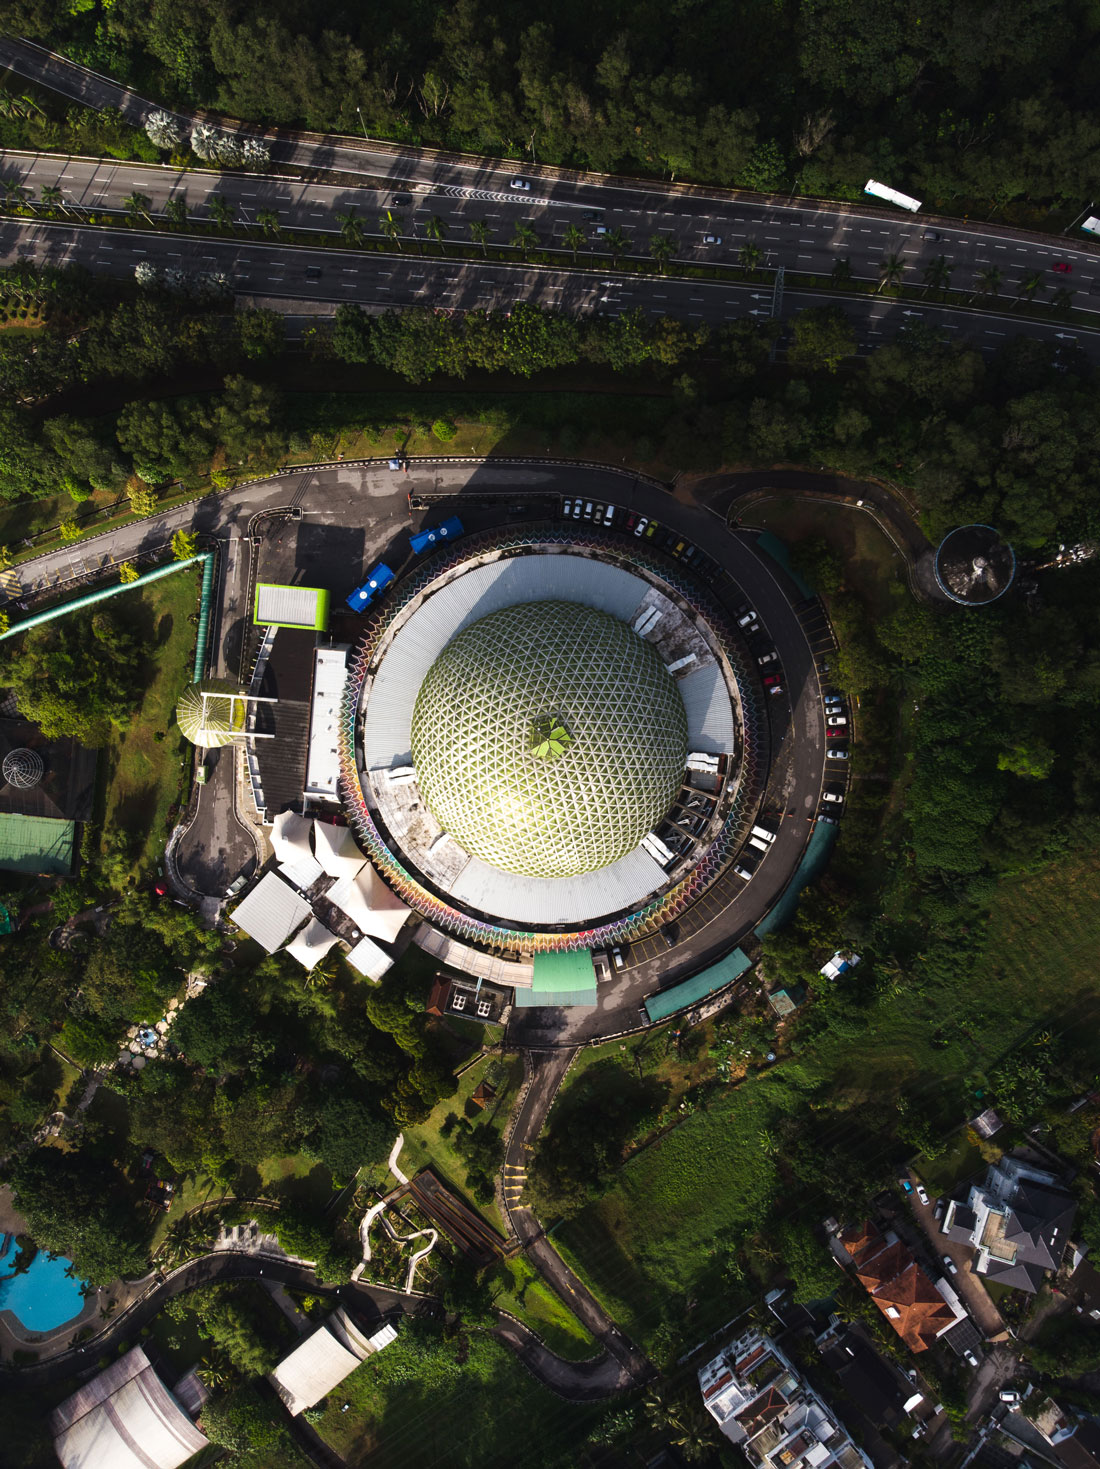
(42, 1297)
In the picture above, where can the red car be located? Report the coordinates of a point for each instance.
(1063, 267)
(772, 684)
(836, 734)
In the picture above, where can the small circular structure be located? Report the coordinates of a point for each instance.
(214, 720)
(23, 769)
(974, 565)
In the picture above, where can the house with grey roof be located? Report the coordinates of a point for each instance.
(1018, 1221)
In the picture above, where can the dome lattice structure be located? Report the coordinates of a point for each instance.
(548, 739)
(212, 722)
(23, 769)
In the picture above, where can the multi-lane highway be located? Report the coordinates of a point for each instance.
(291, 279)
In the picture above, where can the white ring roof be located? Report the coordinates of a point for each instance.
(390, 698)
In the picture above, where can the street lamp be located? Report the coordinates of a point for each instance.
(362, 124)
(1080, 216)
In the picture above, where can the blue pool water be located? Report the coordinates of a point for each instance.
(43, 1296)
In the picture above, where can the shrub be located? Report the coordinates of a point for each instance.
(444, 430)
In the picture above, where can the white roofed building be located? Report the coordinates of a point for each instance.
(272, 912)
(124, 1419)
(324, 1359)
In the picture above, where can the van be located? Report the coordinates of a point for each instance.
(608, 514)
(742, 870)
(763, 833)
(758, 844)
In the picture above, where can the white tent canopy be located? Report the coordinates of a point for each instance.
(371, 961)
(336, 850)
(124, 1419)
(312, 944)
(290, 836)
(272, 913)
(323, 1360)
(303, 872)
(370, 904)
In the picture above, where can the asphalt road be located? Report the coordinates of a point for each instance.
(801, 234)
(285, 277)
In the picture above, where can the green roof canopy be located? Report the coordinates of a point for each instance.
(35, 844)
(706, 982)
(566, 978)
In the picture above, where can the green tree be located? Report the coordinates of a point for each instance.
(268, 221)
(525, 238)
(662, 248)
(351, 228)
(144, 500)
(222, 211)
(618, 242)
(890, 271)
(137, 208)
(390, 225)
(1030, 284)
(574, 239)
(989, 280)
(175, 213)
(937, 274)
(51, 196)
(1031, 758)
(185, 544)
(823, 338)
(128, 572)
(479, 233)
(79, 1206)
(436, 229)
(749, 257)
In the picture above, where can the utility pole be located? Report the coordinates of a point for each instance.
(362, 124)
(777, 306)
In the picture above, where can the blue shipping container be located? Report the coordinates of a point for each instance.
(424, 540)
(377, 582)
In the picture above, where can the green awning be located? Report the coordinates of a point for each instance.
(706, 982)
(35, 844)
(561, 979)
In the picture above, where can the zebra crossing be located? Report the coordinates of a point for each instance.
(512, 1186)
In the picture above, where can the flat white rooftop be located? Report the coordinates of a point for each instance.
(323, 760)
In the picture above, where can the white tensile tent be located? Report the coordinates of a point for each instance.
(371, 961)
(312, 944)
(370, 904)
(324, 1359)
(336, 850)
(125, 1418)
(290, 837)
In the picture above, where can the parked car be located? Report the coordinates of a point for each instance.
(1009, 1395)
(829, 794)
(588, 510)
(745, 616)
(631, 522)
(828, 820)
(834, 701)
(617, 957)
(772, 684)
(578, 506)
(950, 1265)
(670, 933)
(767, 658)
(520, 184)
(970, 1357)
(906, 1186)
(608, 514)
(743, 870)
(652, 529)
(639, 529)
(836, 734)
(567, 508)
(834, 754)
(940, 1209)
(712, 239)
(836, 721)
(922, 1193)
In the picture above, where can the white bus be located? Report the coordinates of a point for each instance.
(882, 191)
(1092, 224)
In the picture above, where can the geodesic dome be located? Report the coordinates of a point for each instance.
(23, 769)
(213, 722)
(548, 739)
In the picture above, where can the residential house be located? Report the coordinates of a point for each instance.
(766, 1409)
(1075, 1441)
(1018, 1220)
(918, 1310)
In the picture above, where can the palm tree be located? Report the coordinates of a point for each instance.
(989, 279)
(351, 230)
(618, 243)
(574, 239)
(390, 226)
(1062, 300)
(479, 233)
(175, 212)
(1031, 283)
(13, 192)
(890, 271)
(526, 238)
(937, 273)
(749, 256)
(137, 208)
(841, 273)
(435, 229)
(222, 211)
(52, 196)
(662, 248)
(268, 221)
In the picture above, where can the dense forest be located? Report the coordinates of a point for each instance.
(975, 102)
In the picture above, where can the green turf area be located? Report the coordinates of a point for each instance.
(961, 1160)
(142, 774)
(657, 1236)
(524, 1293)
(871, 563)
(425, 1401)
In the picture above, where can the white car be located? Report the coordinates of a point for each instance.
(922, 1193)
(567, 508)
(746, 617)
(834, 796)
(743, 870)
(950, 1264)
(519, 184)
(836, 754)
(836, 721)
(639, 529)
(767, 658)
(712, 239)
(970, 1357)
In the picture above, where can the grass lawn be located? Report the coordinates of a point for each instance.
(527, 1296)
(426, 1402)
(961, 1161)
(653, 1243)
(425, 1145)
(871, 564)
(140, 774)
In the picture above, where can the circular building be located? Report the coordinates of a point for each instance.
(550, 739)
(974, 565)
(23, 769)
(211, 713)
